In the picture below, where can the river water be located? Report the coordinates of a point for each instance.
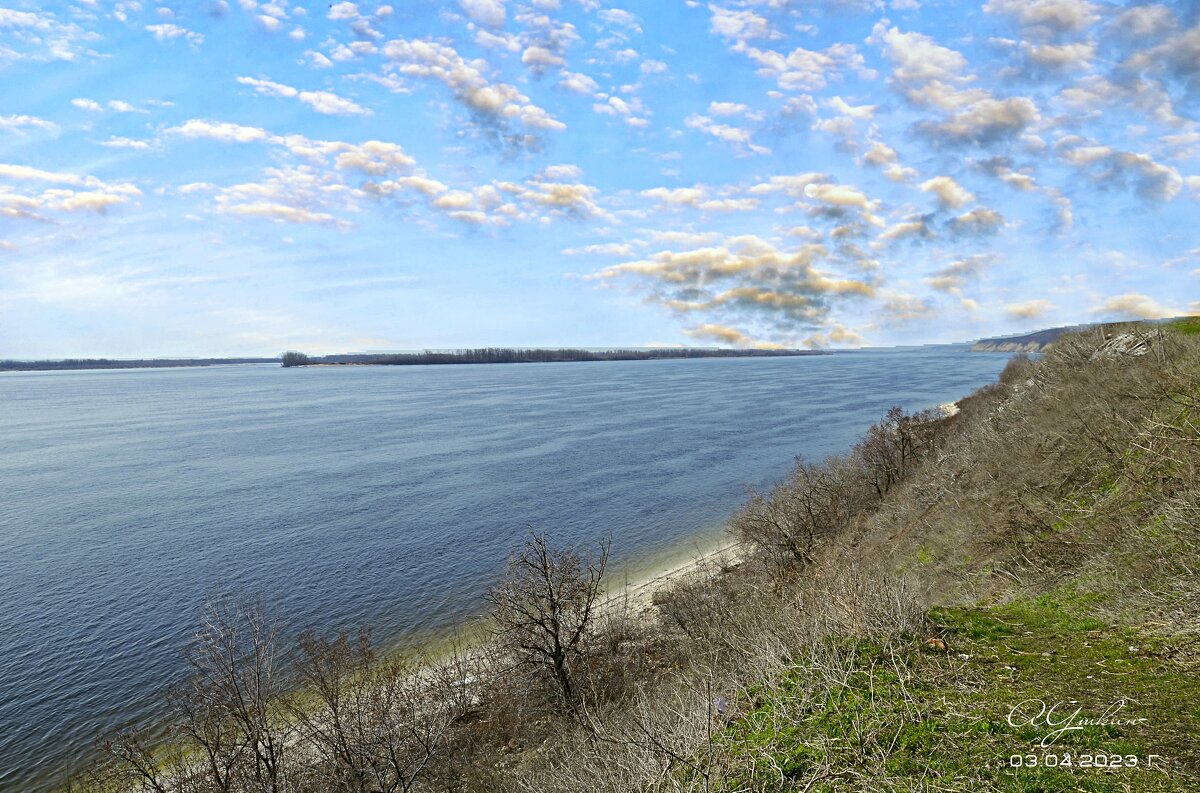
(385, 496)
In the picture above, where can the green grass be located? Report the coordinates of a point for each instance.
(1189, 326)
(910, 719)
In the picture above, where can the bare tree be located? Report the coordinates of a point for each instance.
(233, 699)
(544, 607)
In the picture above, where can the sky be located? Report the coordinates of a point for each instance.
(232, 177)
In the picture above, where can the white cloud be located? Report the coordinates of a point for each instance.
(621, 17)
(343, 11)
(82, 193)
(498, 102)
(20, 123)
(917, 58)
(1134, 305)
(169, 32)
(1047, 17)
(486, 12)
(740, 25)
(740, 138)
(218, 130)
(323, 102)
(578, 83)
(803, 69)
(1030, 309)
(950, 193)
(125, 143)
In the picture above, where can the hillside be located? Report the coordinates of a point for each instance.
(1026, 342)
(1039, 340)
(1003, 599)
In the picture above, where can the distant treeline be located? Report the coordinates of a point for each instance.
(512, 355)
(109, 363)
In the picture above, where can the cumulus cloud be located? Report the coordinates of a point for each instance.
(738, 137)
(1060, 57)
(632, 112)
(803, 69)
(374, 157)
(623, 249)
(956, 275)
(698, 197)
(497, 103)
(1150, 180)
(731, 337)
(281, 213)
(620, 17)
(557, 197)
(323, 102)
(950, 194)
(1144, 21)
(1030, 309)
(898, 309)
(906, 229)
(918, 58)
(578, 83)
(34, 199)
(1177, 56)
(342, 11)
(218, 130)
(296, 194)
(980, 221)
(41, 36)
(983, 122)
(540, 58)
(1134, 305)
(740, 24)
(117, 142)
(1047, 18)
(21, 123)
(486, 12)
(1002, 168)
(170, 32)
(745, 281)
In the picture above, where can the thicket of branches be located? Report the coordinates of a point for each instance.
(1049, 470)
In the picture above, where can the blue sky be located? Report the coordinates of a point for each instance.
(240, 177)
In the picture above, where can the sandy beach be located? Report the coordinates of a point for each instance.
(638, 590)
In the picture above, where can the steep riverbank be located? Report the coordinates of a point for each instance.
(922, 610)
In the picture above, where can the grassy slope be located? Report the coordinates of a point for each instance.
(1066, 566)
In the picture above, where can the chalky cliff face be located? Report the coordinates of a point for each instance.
(364, 176)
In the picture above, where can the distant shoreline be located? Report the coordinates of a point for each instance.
(83, 364)
(426, 358)
(495, 355)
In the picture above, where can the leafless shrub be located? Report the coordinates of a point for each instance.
(234, 697)
(892, 448)
(376, 723)
(864, 601)
(1018, 371)
(789, 523)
